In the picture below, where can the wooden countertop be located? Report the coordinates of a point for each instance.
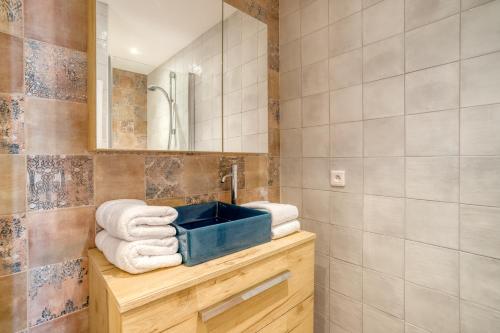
(130, 291)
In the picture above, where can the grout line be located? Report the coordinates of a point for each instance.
(404, 163)
(459, 164)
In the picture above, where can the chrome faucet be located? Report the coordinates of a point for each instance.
(234, 183)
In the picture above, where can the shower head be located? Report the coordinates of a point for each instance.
(154, 88)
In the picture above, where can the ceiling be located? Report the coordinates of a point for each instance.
(156, 29)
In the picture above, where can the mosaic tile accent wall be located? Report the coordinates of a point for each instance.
(51, 184)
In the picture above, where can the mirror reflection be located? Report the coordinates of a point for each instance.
(160, 72)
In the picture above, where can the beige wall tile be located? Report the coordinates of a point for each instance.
(291, 171)
(290, 85)
(346, 69)
(321, 323)
(291, 143)
(314, 16)
(291, 114)
(55, 127)
(346, 209)
(288, 6)
(383, 20)
(432, 222)
(480, 230)
(478, 319)
(383, 253)
(12, 184)
(353, 168)
(322, 270)
(432, 310)
(347, 139)
(432, 89)
(368, 3)
(432, 178)
(315, 110)
(346, 104)
(290, 56)
(346, 312)
(479, 278)
(421, 12)
(479, 181)
(343, 8)
(293, 196)
(480, 80)
(384, 137)
(316, 205)
(432, 266)
(321, 300)
(433, 44)
(384, 215)
(315, 78)
(467, 4)
(346, 244)
(345, 35)
(383, 59)
(480, 30)
(479, 134)
(375, 321)
(322, 231)
(384, 176)
(432, 134)
(314, 47)
(346, 278)
(383, 292)
(384, 98)
(315, 141)
(409, 328)
(13, 302)
(289, 27)
(315, 173)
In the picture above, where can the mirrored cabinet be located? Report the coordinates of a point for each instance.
(178, 75)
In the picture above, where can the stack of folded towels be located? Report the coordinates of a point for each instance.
(283, 217)
(137, 238)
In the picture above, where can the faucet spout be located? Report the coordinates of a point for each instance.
(234, 183)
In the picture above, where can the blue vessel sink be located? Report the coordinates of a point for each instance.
(211, 230)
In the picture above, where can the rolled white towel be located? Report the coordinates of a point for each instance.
(285, 229)
(139, 256)
(132, 220)
(280, 213)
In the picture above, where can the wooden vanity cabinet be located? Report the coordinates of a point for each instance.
(267, 288)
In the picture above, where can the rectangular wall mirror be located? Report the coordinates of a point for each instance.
(179, 75)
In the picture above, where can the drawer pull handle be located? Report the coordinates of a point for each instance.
(208, 314)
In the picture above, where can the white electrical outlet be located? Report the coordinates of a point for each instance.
(337, 177)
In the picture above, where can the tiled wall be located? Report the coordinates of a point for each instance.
(50, 184)
(405, 96)
(129, 110)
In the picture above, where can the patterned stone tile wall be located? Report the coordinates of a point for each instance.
(51, 184)
(129, 110)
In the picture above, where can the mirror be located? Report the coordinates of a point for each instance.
(179, 75)
(244, 82)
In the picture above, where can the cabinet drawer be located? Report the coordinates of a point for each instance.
(298, 319)
(252, 314)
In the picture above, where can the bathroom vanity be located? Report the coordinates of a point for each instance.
(266, 288)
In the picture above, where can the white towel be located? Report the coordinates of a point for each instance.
(139, 256)
(280, 213)
(285, 229)
(132, 220)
